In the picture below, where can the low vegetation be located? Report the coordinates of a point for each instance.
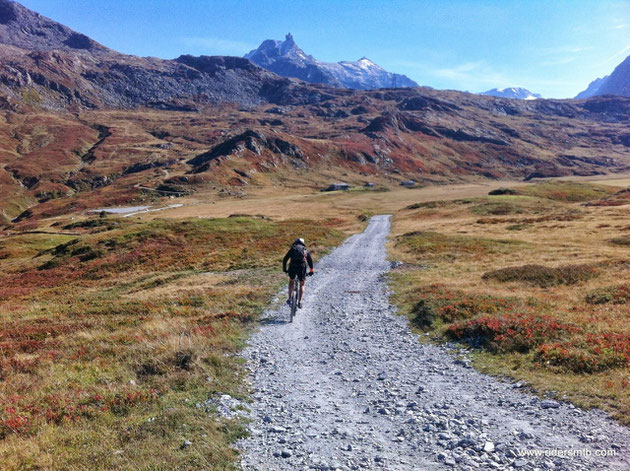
(116, 331)
(619, 294)
(537, 291)
(113, 340)
(563, 191)
(519, 332)
(505, 205)
(440, 305)
(543, 276)
(435, 245)
(623, 241)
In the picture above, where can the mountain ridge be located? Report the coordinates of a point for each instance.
(617, 83)
(26, 29)
(48, 65)
(82, 129)
(287, 59)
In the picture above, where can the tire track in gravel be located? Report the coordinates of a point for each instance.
(348, 386)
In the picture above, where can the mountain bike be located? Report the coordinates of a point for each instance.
(297, 287)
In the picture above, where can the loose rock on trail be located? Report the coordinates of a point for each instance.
(347, 386)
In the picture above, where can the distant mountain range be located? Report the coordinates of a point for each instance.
(225, 120)
(513, 92)
(287, 59)
(617, 83)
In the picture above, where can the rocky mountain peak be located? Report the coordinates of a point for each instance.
(26, 29)
(287, 59)
(271, 50)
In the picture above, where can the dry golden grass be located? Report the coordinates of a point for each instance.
(576, 358)
(110, 338)
(544, 229)
(301, 201)
(162, 286)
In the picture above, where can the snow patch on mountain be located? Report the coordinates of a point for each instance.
(287, 59)
(513, 92)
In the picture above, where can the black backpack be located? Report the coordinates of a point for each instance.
(298, 255)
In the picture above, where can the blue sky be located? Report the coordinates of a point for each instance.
(553, 47)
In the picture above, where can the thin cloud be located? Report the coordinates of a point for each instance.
(561, 61)
(465, 76)
(479, 76)
(621, 26)
(617, 55)
(218, 46)
(462, 70)
(563, 50)
(475, 75)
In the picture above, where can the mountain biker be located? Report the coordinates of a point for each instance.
(300, 257)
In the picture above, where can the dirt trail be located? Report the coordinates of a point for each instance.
(348, 386)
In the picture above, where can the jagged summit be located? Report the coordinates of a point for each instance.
(513, 92)
(272, 50)
(287, 59)
(288, 39)
(617, 83)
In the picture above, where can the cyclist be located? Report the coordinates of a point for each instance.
(300, 257)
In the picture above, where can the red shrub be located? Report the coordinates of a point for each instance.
(17, 415)
(512, 333)
(588, 353)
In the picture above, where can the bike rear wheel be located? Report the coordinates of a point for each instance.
(294, 303)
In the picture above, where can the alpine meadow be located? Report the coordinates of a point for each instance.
(470, 301)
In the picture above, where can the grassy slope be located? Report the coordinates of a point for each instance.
(108, 347)
(110, 338)
(552, 307)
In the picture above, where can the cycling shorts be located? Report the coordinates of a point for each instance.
(299, 271)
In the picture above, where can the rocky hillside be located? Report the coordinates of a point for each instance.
(86, 127)
(55, 163)
(45, 64)
(287, 59)
(617, 83)
(23, 28)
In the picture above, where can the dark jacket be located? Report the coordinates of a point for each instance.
(299, 262)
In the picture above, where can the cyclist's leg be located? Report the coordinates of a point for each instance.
(292, 276)
(291, 284)
(302, 283)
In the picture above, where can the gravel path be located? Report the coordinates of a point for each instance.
(348, 386)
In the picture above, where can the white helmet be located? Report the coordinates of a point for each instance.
(299, 241)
